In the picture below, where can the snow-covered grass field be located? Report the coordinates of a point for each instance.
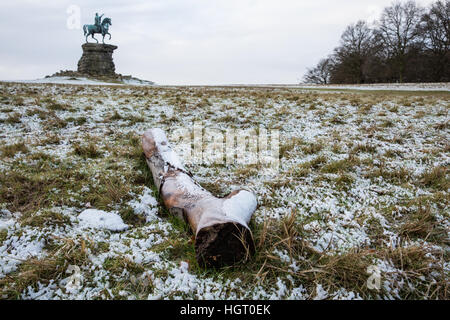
(362, 190)
(443, 86)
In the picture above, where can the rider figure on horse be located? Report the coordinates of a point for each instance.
(99, 26)
(98, 20)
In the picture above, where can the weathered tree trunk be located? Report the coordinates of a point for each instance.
(222, 236)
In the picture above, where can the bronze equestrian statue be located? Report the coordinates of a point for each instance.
(98, 27)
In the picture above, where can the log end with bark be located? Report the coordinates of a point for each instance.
(223, 244)
(220, 225)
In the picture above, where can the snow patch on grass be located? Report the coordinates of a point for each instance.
(101, 220)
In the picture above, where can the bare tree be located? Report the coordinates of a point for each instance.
(320, 74)
(398, 29)
(408, 44)
(436, 27)
(356, 48)
(357, 38)
(435, 31)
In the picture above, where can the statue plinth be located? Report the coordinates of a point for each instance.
(97, 59)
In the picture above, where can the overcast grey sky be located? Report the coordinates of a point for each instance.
(182, 41)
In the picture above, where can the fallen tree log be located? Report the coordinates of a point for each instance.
(222, 236)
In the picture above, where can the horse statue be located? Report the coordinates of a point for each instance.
(91, 29)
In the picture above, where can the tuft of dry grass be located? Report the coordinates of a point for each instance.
(47, 217)
(397, 176)
(315, 163)
(55, 106)
(87, 151)
(436, 178)
(289, 145)
(364, 148)
(12, 118)
(313, 148)
(416, 262)
(340, 165)
(12, 149)
(422, 224)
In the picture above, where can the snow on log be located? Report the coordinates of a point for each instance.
(222, 236)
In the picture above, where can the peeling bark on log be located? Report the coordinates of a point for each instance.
(222, 236)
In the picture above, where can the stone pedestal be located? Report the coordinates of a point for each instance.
(97, 59)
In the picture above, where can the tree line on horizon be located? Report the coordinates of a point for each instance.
(408, 43)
